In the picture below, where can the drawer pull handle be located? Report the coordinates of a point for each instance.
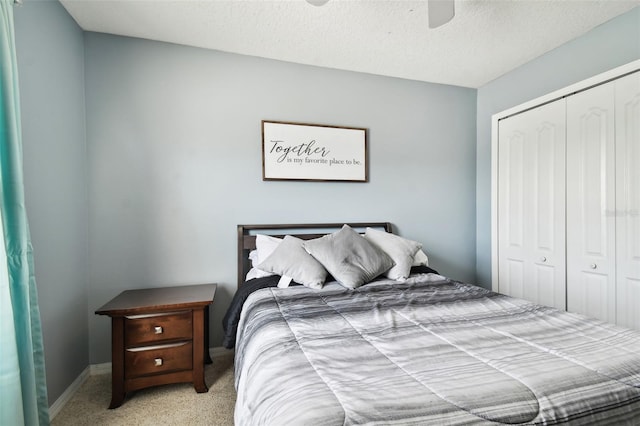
(158, 362)
(593, 266)
(158, 330)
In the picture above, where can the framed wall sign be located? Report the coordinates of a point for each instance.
(313, 152)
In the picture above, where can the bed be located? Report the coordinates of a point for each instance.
(423, 350)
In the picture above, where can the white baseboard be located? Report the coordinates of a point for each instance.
(104, 368)
(68, 393)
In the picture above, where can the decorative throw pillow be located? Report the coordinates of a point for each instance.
(401, 250)
(420, 259)
(265, 245)
(254, 272)
(290, 259)
(348, 257)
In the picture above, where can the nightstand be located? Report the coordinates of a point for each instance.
(159, 336)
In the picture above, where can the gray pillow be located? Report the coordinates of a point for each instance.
(401, 250)
(348, 257)
(291, 260)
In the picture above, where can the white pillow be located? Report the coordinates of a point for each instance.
(420, 259)
(401, 250)
(290, 259)
(255, 273)
(349, 258)
(265, 245)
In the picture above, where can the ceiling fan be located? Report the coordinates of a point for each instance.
(440, 11)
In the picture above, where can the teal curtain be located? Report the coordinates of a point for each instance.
(23, 391)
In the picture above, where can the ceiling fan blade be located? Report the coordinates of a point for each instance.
(440, 12)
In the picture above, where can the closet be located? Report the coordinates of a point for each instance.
(532, 205)
(568, 202)
(627, 218)
(591, 203)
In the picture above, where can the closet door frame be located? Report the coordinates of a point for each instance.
(558, 94)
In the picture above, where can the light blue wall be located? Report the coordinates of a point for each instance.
(612, 44)
(50, 53)
(174, 160)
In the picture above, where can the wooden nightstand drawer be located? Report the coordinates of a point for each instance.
(158, 359)
(144, 329)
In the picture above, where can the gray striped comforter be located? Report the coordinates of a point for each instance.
(428, 351)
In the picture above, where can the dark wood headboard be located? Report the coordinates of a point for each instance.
(305, 231)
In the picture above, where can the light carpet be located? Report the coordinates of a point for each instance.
(177, 404)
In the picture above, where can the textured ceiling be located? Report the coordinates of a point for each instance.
(485, 39)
